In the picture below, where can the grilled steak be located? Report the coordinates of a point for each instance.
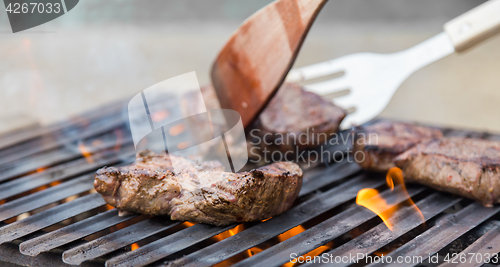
(200, 192)
(381, 141)
(467, 167)
(293, 118)
(302, 118)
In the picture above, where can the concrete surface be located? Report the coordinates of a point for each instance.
(107, 50)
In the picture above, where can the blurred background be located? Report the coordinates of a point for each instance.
(103, 51)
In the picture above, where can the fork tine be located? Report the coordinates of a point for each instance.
(346, 101)
(316, 70)
(329, 87)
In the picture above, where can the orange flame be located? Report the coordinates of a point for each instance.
(253, 251)
(395, 175)
(229, 233)
(54, 183)
(370, 198)
(381, 252)
(248, 253)
(85, 152)
(134, 246)
(188, 224)
(225, 235)
(43, 187)
(295, 231)
(290, 233)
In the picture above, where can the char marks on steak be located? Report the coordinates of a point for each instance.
(464, 166)
(382, 141)
(199, 192)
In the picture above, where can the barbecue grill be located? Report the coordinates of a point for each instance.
(52, 217)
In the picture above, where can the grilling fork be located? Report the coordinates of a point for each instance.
(374, 78)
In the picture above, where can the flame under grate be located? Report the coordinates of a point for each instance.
(52, 216)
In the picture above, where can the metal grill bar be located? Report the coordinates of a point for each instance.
(117, 240)
(44, 197)
(38, 146)
(22, 151)
(49, 217)
(322, 233)
(338, 172)
(60, 172)
(50, 158)
(19, 168)
(200, 232)
(167, 245)
(442, 234)
(404, 221)
(266, 230)
(72, 232)
(488, 244)
(313, 180)
(10, 253)
(77, 123)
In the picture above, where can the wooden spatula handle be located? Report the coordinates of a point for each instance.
(475, 25)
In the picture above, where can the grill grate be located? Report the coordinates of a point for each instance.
(445, 232)
(44, 176)
(380, 236)
(42, 198)
(49, 217)
(319, 235)
(72, 232)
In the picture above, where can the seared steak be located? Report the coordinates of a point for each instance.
(467, 167)
(199, 192)
(304, 118)
(293, 118)
(381, 141)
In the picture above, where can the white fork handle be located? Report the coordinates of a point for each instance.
(474, 26)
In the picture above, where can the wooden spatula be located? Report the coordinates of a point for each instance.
(257, 57)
